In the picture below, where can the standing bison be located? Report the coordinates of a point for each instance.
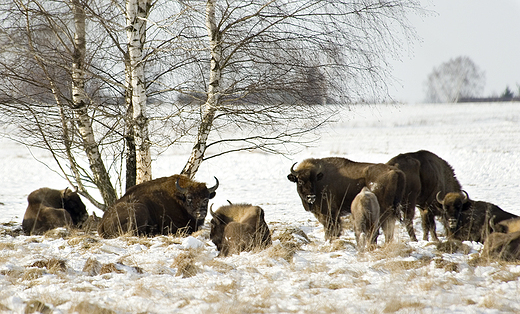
(426, 175)
(49, 209)
(365, 214)
(328, 186)
(161, 206)
(468, 220)
(238, 228)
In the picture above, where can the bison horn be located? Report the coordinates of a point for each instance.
(182, 190)
(438, 198)
(211, 211)
(292, 169)
(214, 188)
(466, 197)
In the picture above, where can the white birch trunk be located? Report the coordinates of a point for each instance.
(212, 101)
(80, 99)
(136, 15)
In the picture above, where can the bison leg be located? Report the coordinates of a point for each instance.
(409, 214)
(428, 224)
(388, 220)
(332, 225)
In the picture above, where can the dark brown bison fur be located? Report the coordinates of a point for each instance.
(365, 215)
(328, 186)
(426, 175)
(50, 208)
(468, 220)
(162, 206)
(502, 246)
(239, 227)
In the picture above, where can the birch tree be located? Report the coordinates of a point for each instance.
(262, 56)
(136, 16)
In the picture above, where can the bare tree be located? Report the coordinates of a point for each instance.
(269, 63)
(455, 79)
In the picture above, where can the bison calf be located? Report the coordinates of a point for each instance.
(365, 214)
(238, 228)
(468, 220)
(50, 208)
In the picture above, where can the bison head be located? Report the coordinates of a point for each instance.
(194, 197)
(72, 203)
(306, 180)
(452, 206)
(218, 224)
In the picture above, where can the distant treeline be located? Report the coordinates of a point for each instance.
(487, 99)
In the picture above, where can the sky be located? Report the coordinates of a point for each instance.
(485, 31)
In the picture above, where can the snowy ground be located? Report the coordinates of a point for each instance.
(86, 274)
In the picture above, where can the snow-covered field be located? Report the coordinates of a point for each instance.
(86, 274)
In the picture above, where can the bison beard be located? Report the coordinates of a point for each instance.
(328, 186)
(50, 208)
(165, 205)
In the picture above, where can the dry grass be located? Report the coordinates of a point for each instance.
(36, 306)
(185, 263)
(86, 307)
(53, 265)
(395, 305)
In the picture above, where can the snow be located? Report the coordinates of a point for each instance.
(304, 274)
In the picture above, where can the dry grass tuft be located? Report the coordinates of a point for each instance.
(36, 306)
(92, 267)
(53, 265)
(453, 246)
(86, 242)
(89, 308)
(398, 266)
(110, 268)
(185, 263)
(446, 265)
(32, 274)
(395, 305)
(392, 250)
(7, 246)
(57, 233)
(220, 266)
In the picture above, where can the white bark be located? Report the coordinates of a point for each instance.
(212, 101)
(136, 15)
(80, 99)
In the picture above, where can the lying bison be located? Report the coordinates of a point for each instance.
(426, 175)
(49, 209)
(468, 220)
(503, 246)
(328, 186)
(505, 226)
(161, 206)
(238, 228)
(365, 214)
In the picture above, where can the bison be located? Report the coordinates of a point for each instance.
(503, 246)
(328, 186)
(161, 206)
(426, 175)
(505, 226)
(365, 214)
(50, 208)
(239, 227)
(468, 220)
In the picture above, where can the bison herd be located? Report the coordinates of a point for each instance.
(377, 195)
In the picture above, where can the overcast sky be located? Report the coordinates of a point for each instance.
(487, 31)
